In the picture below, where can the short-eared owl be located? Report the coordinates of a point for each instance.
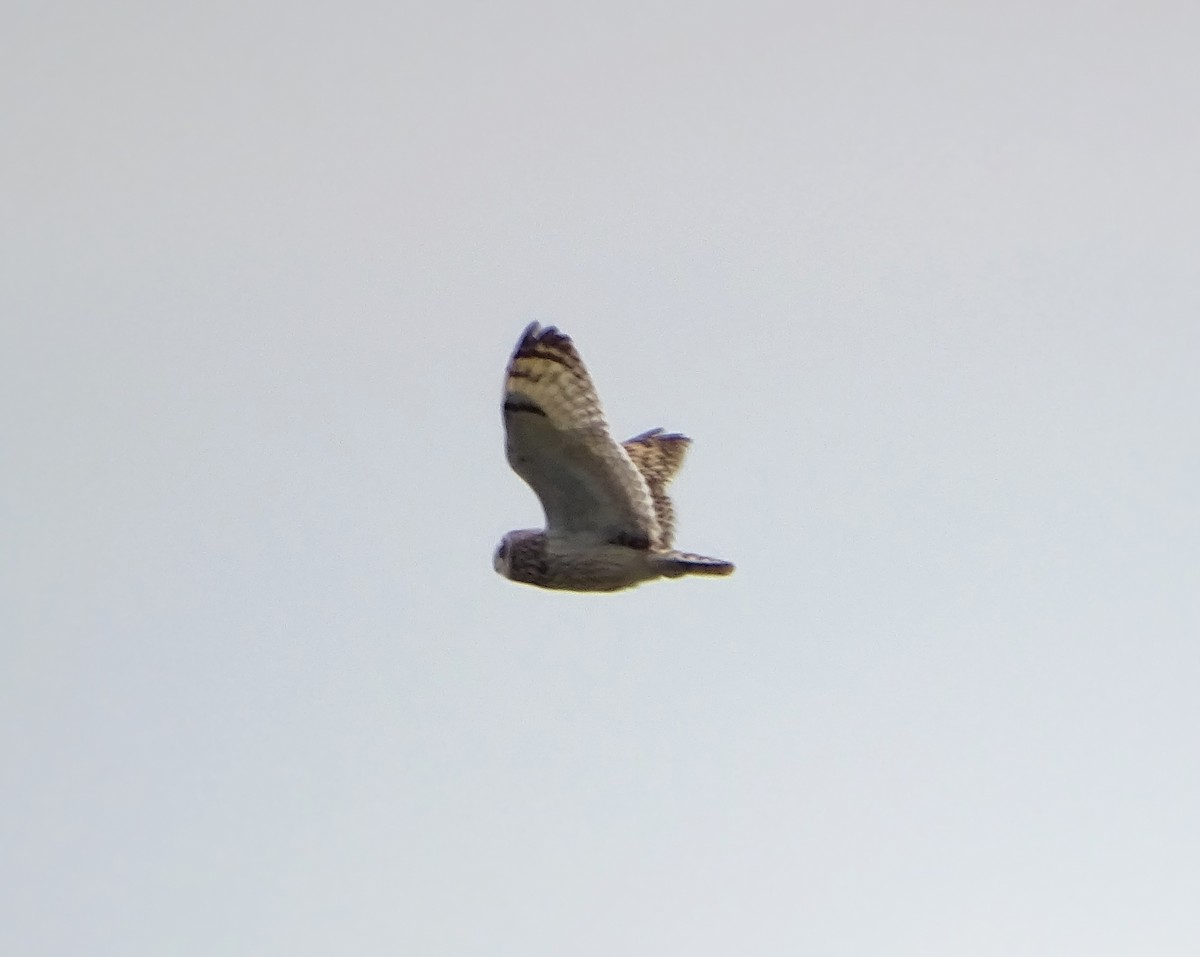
(609, 523)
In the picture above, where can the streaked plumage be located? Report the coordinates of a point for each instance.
(609, 522)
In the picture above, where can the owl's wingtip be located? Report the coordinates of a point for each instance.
(529, 335)
(536, 335)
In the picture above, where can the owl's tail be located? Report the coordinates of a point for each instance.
(673, 564)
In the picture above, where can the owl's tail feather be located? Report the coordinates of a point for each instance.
(673, 564)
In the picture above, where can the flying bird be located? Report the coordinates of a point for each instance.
(609, 522)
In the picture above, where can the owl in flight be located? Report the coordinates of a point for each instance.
(609, 523)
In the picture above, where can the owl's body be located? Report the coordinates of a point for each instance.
(571, 563)
(609, 522)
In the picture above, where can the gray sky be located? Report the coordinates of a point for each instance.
(920, 281)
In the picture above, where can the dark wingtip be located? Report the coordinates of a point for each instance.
(528, 337)
(536, 334)
(658, 435)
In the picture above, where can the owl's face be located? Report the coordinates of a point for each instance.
(519, 555)
(502, 560)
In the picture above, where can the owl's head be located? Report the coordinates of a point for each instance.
(521, 556)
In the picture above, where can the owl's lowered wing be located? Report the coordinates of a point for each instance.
(558, 442)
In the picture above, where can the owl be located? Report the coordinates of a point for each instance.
(609, 522)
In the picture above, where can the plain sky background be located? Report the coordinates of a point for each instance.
(920, 280)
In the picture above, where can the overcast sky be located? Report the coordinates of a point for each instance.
(921, 282)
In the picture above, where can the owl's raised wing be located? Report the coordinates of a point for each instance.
(559, 443)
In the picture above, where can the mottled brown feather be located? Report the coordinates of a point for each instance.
(658, 456)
